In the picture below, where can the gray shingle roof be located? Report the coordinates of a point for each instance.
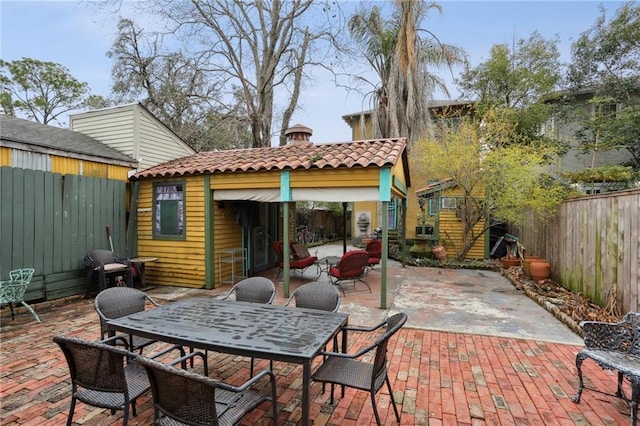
(41, 138)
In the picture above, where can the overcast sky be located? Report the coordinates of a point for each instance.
(72, 34)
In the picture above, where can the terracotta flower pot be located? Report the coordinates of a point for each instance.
(527, 263)
(439, 252)
(509, 263)
(540, 270)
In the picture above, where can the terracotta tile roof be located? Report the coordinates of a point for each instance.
(366, 153)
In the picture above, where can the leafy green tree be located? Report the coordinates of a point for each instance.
(497, 179)
(402, 55)
(606, 60)
(41, 90)
(516, 78)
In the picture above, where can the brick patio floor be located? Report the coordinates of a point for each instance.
(438, 378)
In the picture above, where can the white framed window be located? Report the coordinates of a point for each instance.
(448, 203)
(169, 211)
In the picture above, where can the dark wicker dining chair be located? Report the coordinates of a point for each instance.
(181, 397)
(316, 295)
(116, 302)
(345, 369)
(254, 290)
(102, 376)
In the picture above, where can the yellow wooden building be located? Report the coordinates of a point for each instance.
(212, 218)
(440, 204)
(361, 127)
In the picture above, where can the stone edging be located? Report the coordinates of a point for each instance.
(550, 307)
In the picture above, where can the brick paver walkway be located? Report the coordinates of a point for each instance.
(438, 379)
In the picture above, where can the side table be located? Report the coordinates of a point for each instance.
(138, 263)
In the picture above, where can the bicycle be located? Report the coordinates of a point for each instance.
(304, 235)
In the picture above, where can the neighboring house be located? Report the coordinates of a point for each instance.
(572, 107)
(58, 191)
(213, 217)
(441, 223)
(133, 130)
(360, 123)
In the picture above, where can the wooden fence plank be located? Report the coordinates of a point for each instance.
(48, 221)
(39, 230)
(592, 243)
(6, 220)
(28, 219)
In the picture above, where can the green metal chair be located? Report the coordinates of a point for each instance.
(12, 291)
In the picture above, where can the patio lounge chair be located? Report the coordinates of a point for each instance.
(374, 248)
(184, 398)
(298, 260)
(103, 264)
(345, 369)
(12, 291)
(351, 267)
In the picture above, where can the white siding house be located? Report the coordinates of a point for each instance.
(132, 130)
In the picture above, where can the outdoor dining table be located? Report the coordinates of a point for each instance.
(273, 332)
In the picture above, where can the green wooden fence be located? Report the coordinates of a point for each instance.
(49, 221)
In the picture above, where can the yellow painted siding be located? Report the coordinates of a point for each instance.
(246, 180)
(360, 177)
(181, 262)
(98, 170)
(451, 236)
(227, 235)
(398, 172)
(451, 229)
(71, 166)
(5, 156)
(118, 173)
(357, 130)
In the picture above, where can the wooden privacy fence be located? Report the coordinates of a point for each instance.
(593, 244)
(49, 221)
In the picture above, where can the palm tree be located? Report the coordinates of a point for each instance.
(402, 58)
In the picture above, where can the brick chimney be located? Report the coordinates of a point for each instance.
(298, 134)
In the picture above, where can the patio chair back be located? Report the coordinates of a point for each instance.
(12, 291)
(394, 323)
(297, 262)
(192, 399)
(317, 295)
(105, 264)
(101, 255)
(101, 375)
(352, 370)
(374, 248)
(351, 265)
(253, 289)
(116, 302)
